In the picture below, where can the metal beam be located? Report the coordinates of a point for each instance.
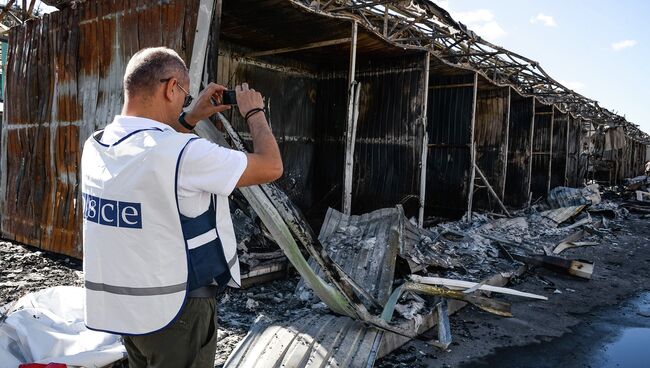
(351, 129)
(312, 45)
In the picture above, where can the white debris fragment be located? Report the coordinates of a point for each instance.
(251, 304)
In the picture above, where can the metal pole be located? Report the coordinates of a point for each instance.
(425, 142)
(351, 130)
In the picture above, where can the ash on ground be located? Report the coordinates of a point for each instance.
(26, 269)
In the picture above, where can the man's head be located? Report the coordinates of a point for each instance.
(156, 83)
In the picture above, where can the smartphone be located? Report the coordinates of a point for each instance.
(229, 97)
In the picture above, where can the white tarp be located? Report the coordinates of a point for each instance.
(48, 327)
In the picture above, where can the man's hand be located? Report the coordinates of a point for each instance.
(248, 99)
(265, 164)
(203, 107)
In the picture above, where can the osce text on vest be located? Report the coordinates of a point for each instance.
(112, 213)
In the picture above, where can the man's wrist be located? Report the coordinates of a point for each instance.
(257, 118)
(191, 119)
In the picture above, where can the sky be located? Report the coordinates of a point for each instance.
(600, 49)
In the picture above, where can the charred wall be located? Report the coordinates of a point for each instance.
(575, 170)
(292, 91)
(491, 140)
(449, 126)
(389, 135)
(559, 149)
(307, 106)
(522, 110)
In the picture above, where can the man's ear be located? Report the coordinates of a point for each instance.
(169, 89)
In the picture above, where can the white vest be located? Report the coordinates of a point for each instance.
(141, 256)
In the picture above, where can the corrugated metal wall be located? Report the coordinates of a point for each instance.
(65, 81)
(522, 111)
(542, 134)
(449, 125)
(491, 140)
(559, 155)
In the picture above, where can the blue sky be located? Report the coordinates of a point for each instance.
(599, 48)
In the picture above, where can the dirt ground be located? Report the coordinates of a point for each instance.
(622, 269)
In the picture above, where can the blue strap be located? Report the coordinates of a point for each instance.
(98, 136)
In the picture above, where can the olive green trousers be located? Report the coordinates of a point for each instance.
(190, 341)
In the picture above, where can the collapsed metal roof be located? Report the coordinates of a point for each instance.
(422, 23)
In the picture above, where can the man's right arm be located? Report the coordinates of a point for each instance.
(265, 163)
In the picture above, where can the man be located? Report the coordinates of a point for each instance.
(157, 233)
(647, 168)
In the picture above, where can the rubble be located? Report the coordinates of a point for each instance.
(463, 252)
(24, 270)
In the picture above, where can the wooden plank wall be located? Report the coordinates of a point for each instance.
(64, 82)
(449, 125)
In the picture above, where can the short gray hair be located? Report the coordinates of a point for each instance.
(148, 66)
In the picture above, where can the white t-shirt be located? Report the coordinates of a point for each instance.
(205, 167)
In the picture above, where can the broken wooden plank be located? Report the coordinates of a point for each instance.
(568, 245)
(468, 284)
(582, 269)
(571, 241)
(559, 215)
